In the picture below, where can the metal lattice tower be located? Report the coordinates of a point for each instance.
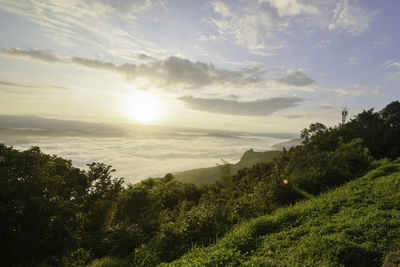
(344, 115)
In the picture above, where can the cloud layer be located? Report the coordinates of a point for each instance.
(296, 78)
(171, 73)
(70, 22)
(261, 107)
(257, 25)
(135, 156)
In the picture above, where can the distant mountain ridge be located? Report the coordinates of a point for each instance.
(209, 175)
(20, 124)
(287, 144)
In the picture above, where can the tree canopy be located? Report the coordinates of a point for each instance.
(54, 214)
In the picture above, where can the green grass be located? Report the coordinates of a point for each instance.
(357, 224)
(109, 262)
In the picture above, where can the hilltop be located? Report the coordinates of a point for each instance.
(357, 224)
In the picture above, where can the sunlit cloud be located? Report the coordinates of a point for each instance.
(35, 54)
(30, 86)
(135, 154)
(251, 27)
(349, 17)
(74, 21)
(261, 107)
(258, 25)
(168, 73)
(291, 7)
(213, 54)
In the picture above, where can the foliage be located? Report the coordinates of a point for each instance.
(50, 209)
(110, 262)
(353, 225)
(53, 214)
(378, 130)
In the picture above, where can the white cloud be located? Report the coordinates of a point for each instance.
(349, 17)
(248, 26)
(256, 25)
(291, 7)
(172, 73)
(260, 107)
(358, 89)
(35, 54)
(322, 44)
(137, 154)
(67, 22)
(353, 60)
(391, 64)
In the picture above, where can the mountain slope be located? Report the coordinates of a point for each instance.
(212, 174)
(354, 225)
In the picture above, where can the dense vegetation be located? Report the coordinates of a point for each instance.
(52, 213)
(357, 224)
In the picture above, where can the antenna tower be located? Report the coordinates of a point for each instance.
(344, 115)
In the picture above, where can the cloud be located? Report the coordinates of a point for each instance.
(392, 75)
(353, 60)
(260, 26)
(350, 18)
(358, 89)
(319, 111)
(94, 63)
(174, 71)
(144, 57)
(248, 26)
(42, 55)
(291, 7)
(68, 23)
(154, 153)
(12, 84)
(262, 107)
(327, 106)
(391, 64)
(383, 41)
(24, 86)
(171, 73)
(322, 44)
(296, 78)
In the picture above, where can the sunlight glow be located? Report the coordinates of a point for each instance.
(144, 108)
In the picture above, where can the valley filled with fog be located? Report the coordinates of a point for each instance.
(135, 152)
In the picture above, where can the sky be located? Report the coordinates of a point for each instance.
(258, 66)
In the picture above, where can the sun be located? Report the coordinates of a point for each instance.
(144, 108)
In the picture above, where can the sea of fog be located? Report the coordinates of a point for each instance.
(136, 156)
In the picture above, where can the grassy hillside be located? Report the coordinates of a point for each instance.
(210, 175)
(357, 224)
